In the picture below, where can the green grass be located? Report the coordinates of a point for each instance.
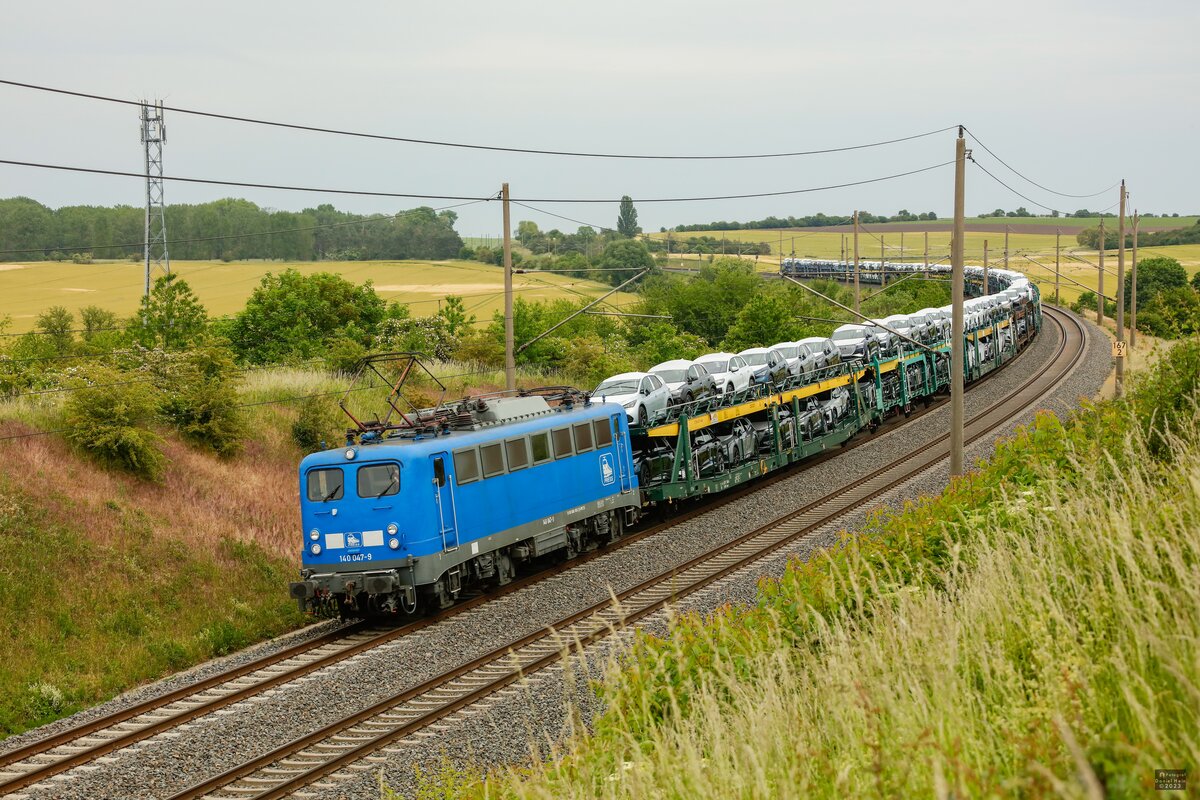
(1034, 631)
(27, 290)
(87, 619)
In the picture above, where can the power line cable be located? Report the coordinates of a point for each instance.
(469, 146)
(244, 184)
(410, 195)
(1031, 180)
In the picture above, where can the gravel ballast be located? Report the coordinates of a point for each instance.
(534, 710)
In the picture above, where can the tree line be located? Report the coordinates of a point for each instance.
(228, 229)
(814, 221)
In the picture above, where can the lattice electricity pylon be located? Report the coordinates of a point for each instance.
(154, 134)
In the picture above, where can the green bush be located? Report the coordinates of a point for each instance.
(316, 426)
(200, 398)
(108, 416)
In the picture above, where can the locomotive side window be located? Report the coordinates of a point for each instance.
(518, 454)
(540, 443)
(562, 443)
(603, 433)
(325, 485)
(378, 480)
(583, 437)
(466, 466)
(492, 456)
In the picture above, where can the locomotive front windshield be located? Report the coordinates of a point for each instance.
(325, 485)
(378, 480)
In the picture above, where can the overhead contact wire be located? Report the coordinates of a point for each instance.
(467, 145)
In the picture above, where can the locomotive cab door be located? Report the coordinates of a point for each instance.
(624, 466)
(443, 495)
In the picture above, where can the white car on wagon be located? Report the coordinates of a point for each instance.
(639, 393)
(730, 371)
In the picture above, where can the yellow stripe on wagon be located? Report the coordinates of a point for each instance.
(760, 404)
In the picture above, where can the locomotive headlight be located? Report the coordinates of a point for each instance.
(350, 454)
(394, 543)
(393, 529)
(315, 549)
(314, 534)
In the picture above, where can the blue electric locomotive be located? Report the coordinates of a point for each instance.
(393, 524)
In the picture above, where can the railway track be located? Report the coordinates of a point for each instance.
(311, 760)
(50, 756)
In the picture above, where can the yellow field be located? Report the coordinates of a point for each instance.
(26, 290)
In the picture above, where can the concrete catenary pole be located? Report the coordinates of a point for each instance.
(1057, 261)
(926, 255)
(1133, 286)
(882, 256)
(985, 267)
(856, 296)
(956, 316)
(1006, 230)
(1120, 385)
(1100, 272)
(510, 363)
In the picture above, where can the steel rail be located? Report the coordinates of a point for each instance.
(306, 760)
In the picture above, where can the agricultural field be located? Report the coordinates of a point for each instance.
(28, 289)
(1023, 247)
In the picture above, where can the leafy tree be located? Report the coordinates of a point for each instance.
(707, 304)
(766, 319)
(96, 320)
(57, 324)
(292, 316)
(623, 259)
(1196, 281)
(171, 317)
(627, 224)
(108, 417)
(1155, 275)
(454, 314)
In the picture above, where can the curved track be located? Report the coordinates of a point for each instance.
(307, 761)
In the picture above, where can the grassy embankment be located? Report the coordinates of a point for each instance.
(27, 290)
(1033, 631)
(107, 581)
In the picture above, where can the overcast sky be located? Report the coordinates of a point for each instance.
(1076, 95)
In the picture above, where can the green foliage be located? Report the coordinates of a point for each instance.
(108, 417)
(200, 398)
(316, 425)
(627, 224)
(706, 305)
(766, 319)
(171, 317)
(56, 324)
(291, 316)
(343, 354)
(1154, 275)
(624, 258)
(96, 321)
(1165, 401)
(231, 229)
(1086, 303)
